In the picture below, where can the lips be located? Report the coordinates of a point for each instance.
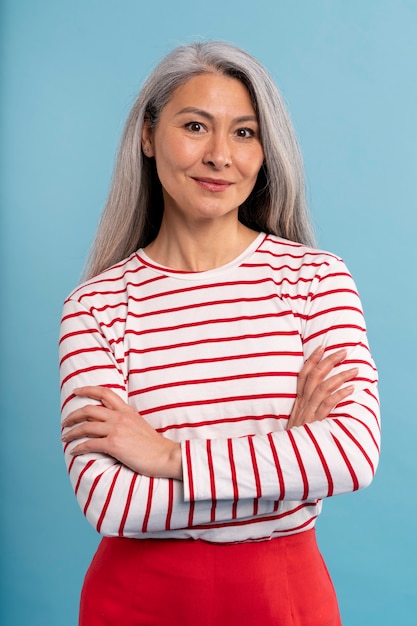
(213, 184)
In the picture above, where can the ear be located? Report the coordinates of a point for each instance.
(147, 138)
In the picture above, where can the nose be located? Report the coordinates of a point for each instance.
(218, 153)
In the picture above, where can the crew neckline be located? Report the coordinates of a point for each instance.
(188, 275)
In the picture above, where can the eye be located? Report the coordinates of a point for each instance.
(245, 133)
(195, 127)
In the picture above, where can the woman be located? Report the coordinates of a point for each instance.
(216, 377)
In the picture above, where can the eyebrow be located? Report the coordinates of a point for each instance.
(208, 116)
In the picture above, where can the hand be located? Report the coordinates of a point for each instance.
(317, 395)
(115, 428)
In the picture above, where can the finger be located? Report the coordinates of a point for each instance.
(337, 380)
(89, 412)
(106, 396)
(310, 363)
(323, 409)
(324, 391)
(329, 403)
(321, 370)
(87, 429)
(90, 446)
(329, 385)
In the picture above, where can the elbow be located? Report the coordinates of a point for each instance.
(366, 471)
(365, 478)
(105, 525)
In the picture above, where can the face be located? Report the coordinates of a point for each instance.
(207, 148)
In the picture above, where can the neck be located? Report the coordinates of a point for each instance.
(199, 247)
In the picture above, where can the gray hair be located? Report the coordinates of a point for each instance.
(133, 212)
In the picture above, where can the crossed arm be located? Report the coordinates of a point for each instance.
(114, 428)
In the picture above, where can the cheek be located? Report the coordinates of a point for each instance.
(174, 155)
(253, 167)
(251, 162)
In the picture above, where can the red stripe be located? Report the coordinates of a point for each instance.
(107, 501)
(300, 465)
(348, 344)
(369, 392)
(78, 333)
(330, 275)
(331, 292)
(71, 464)
(67, 399)
(104, 292)
(234, 478)
(115, 320)
(348, 463)
(324, 331)
(207, 340)
(356, 442)
(107, 307)
(277, 467)
(322, 459)
(139, 284)
(199, 305)
(356, 419)
(367, 408)
(282, 243)
(360, 362)
(257, 478)
(284, 266)
(190, 482)
(301, 257)
(222, 420)
(200, 323)
(90, 495)
(261, 518)
(205, 381)
(170, 503)
(148, 505)
(74, 315)
(212, 481)
(127, 505)
(70, 355)
(220, 359)
(85, 468)
(179, 405)
(196, 288)
(101, 278)
(255, 468)
(332, 310)
(92, 368)
(71, 396)
(193, 305)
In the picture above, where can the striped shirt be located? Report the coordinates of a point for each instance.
(211, 360)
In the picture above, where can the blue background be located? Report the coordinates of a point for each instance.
(70, 70)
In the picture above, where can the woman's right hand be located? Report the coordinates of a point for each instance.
(317, 395)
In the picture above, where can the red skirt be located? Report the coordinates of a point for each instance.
(280, 582)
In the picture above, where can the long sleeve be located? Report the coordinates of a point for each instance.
(115, 500)
(317, 460)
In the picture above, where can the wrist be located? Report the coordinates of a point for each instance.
(175, 461)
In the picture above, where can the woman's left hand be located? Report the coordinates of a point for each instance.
(115, 428)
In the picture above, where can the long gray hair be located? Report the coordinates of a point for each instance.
(133, 212)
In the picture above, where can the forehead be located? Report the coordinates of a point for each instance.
(214, 93)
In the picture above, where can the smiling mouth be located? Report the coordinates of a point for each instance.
(213, 184)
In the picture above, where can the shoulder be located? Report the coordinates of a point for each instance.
(113, 280)
(282, 253)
